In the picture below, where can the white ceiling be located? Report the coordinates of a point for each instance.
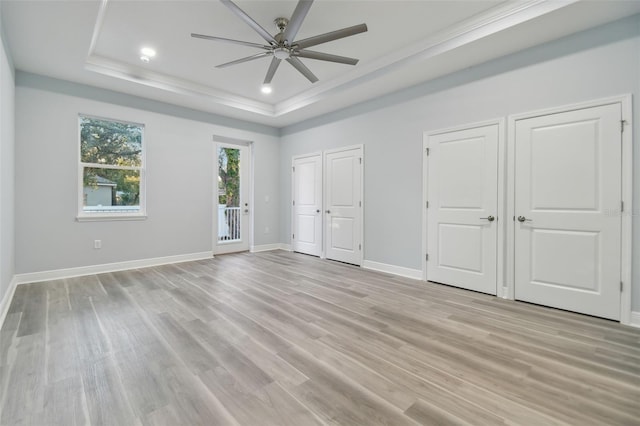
(408, 42)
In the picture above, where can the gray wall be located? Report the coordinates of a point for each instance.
(179, 171)
(7, 182)
(599, 63)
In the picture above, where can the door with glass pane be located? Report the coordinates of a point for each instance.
(232, 208)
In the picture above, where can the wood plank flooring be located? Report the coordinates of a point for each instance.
(280, 338)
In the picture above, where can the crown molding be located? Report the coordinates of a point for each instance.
(497, 19)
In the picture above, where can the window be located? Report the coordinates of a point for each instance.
(111, 169)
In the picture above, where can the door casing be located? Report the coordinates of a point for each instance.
(501, 209)
(322, 230)
(232, 143)
(361, 209)
(625, 102)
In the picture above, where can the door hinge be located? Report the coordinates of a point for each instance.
(621, 206)
(622, 123)
(360, 159)
(359, 246)
(621, 286)
(294, 202)
(359, 203)
(293, 236)
(426, 257)
(427, 151)
(427, 206)
(294, 168)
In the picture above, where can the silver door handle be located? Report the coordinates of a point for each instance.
(328, 212)
(523, 219)
(489, 218)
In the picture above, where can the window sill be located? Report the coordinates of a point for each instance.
(107, 218)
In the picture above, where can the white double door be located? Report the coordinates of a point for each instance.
(462, 215)
(567, 200)
(566, 195)
(327, 205)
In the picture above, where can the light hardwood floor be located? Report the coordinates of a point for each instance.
(280, 338)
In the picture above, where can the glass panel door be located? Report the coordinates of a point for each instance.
(232, 202)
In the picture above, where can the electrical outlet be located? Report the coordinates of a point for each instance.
(97, 244)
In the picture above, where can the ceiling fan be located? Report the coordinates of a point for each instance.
(283, 45)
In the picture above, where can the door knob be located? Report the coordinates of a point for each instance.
(523, 219)
(318, 211)
(489, 218)
(328, 212)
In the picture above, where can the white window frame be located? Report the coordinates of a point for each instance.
(107, 216)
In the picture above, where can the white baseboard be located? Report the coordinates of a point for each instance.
(270, 247)
(416, 274)
(57, 274)
(6, 300)
(286, 247)
(635, 319)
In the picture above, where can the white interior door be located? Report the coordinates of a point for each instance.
(568, 186)
(462, 220)
(307, 205)
(343, 196)
(232, 230)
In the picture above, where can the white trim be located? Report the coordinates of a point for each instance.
(634, 319)
(112, 217)
(415, 274)
(626, 260)
(501, 203)
(6, 300)
(57, 274)
(270, 247)
(626, 253)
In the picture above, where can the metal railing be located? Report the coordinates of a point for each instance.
(229, 219)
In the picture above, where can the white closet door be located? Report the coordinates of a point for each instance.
(568, 186)
(307, 205)
(462, 224)
(343, 186)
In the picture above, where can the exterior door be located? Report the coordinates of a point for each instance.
(307, 205)
(462, 220)
(232, 212)
(567, 184)
(343, 186)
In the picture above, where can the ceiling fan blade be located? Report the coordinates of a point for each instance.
(228, 40)
(247, 19)
(275, 62)
(333, 35)
(247, 59)
(297, 64)
(325, 57)
(295, 22)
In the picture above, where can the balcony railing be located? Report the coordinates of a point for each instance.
(228, 223)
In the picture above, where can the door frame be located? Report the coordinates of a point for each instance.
(324, 197)
(501, 207)
(625, 102)
(322, 230)
(231, 142)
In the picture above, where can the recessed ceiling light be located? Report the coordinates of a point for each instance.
(144, 59)
(148, 52)
(266, 89)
